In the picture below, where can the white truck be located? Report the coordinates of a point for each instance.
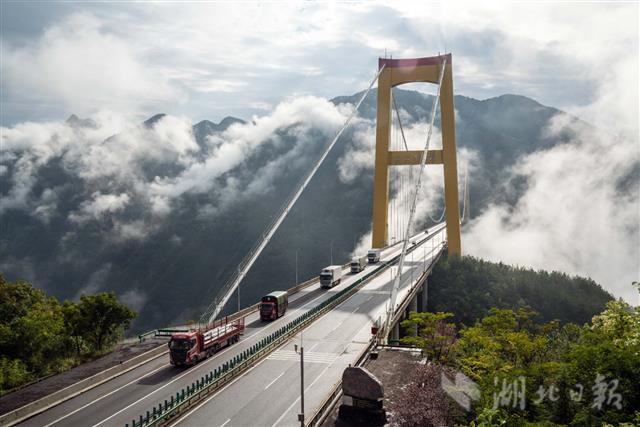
(374, 255)
(330, 276)
(358, 264)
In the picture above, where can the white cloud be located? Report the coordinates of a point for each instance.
(99, 206)
(132, 230)
(135, 299)
(235, 145)
(96, 281)
(76, 64)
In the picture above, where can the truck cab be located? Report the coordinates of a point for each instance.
(274, 305)
(358, 264)
(373, 256)
(183, 348)
(330, 276)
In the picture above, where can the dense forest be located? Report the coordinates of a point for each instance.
(40, 336)
(468, 287)
(532, 359)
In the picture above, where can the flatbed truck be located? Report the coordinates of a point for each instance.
(188, 348)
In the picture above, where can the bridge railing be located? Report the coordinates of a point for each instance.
(244, 312)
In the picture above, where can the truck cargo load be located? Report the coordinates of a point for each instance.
(274, 305)
(330, 276)
(188, 348)
(358, 264)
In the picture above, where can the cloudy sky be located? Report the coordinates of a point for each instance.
(212, 59)
(119, 63)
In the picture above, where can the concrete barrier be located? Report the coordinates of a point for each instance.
(29, 410)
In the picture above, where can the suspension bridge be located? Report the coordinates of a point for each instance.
(258, 381)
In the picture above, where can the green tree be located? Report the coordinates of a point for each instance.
(610, 347)
(102, 319)
(73, 324)
(431, 333)
(32, 335)
(40, 336)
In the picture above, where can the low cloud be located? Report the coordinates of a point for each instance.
(579, 213)
(297, 118)
(99, 206)
(96, 281)
(135, 175)
(135, 299)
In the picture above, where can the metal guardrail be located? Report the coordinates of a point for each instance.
(184, 399)
(244, 312)
(161, 333)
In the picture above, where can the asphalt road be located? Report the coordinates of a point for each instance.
(124, 398)
(269, 393)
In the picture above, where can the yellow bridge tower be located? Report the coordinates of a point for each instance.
(395, 73)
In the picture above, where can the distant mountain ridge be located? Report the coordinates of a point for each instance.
(172, 275)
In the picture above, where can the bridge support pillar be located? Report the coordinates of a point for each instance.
(424, 294)
(413, 306)
(395, 332)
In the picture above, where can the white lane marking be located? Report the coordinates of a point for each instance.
(318, 377)
(274, 380)
(225, 423)
(337, 326)
(105, 395)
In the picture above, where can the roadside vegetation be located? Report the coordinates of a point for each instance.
(527, 369)
(40, 336)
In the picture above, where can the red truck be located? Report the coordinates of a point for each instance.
(274, 305)
(188, 348)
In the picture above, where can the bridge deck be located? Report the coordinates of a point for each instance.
(269, 393)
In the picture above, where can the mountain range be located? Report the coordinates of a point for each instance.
(149, 225)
